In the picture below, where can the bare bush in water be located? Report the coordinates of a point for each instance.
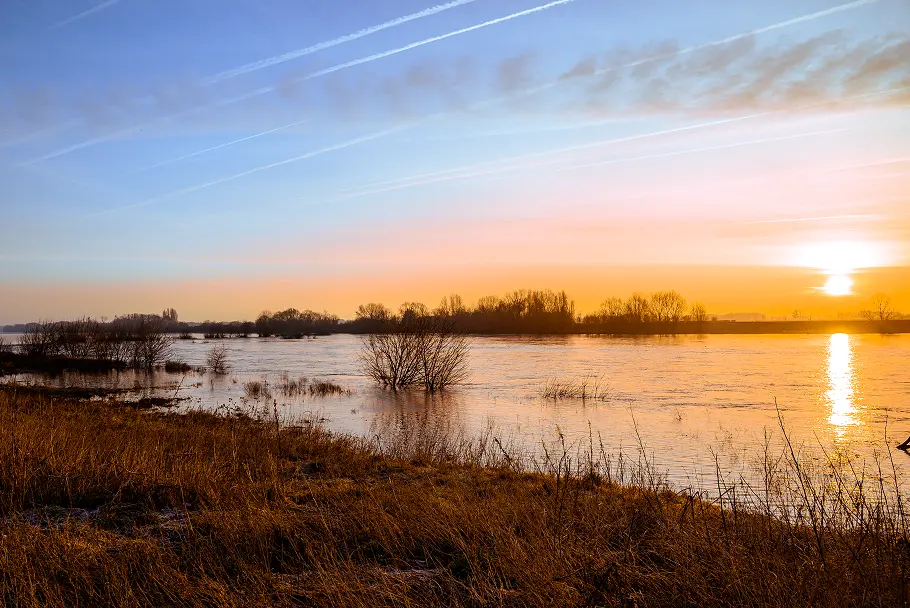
(586, 388)
(217, 359)
(418, 351)
(257, 389)
(39, 340)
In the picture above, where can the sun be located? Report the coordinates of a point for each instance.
(838, 285)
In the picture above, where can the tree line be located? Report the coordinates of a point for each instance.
(539, 311)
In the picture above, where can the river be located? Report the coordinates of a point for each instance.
(692, 398)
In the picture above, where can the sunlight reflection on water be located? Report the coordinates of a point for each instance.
(841, 384)
(693, 397)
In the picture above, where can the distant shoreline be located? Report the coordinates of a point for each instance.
(761, 327)
(901, 326)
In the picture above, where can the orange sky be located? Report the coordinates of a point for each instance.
(724, 289)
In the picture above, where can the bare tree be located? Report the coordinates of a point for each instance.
(40, 340)
(411, 311)
(667, 306)
(698, 313)
(451, 306)
(638, 309)
(416, 351)
(217, 359)
(373, 312)
(612, 309)
(881, 308)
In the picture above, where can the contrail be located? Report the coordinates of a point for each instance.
(705, 149)
(455, 175)
(336, 68)
(84, 14)
(458, 173)
(320, 151)
(126, 131)
(414, 45)
(275, 60)
(218, 147)
(878, 163)
(499, 99)
(820, 219)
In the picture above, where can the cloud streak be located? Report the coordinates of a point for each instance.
(321, 46)
(703, 149)
(220, 146)
(420, 43)
(509, 164)
(87, 13)
(585, 68)
(320, 73)
(293, 159)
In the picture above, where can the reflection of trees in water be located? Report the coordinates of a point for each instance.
(417, 407)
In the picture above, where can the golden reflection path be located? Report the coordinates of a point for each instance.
(841, 383)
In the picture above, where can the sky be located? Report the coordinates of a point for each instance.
(225, 157)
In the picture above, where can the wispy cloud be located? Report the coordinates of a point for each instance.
(515, 163)
(739, 144)
(87, 13)
(518, 163)
(321, 46)
(293, 159)
(821, 218)
(220, 146)
(586, 67)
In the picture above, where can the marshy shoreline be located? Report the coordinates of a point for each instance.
(104, 503)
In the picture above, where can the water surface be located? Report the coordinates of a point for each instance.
(691, 397)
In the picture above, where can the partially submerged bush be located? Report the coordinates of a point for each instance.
(217, 359)
(140, 341)
(419, 351)
(256, 389)
(586, 388)
(324, 388)
(177, 367)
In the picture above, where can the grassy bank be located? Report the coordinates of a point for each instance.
(106, 504)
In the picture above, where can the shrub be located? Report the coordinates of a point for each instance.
(217, 359)
(178, 367)
(323, 388)
(420, 351)
(256, 389)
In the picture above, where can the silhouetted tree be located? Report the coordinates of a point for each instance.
(638, 308)
(373, 312)
(667, 307)
(698, 313)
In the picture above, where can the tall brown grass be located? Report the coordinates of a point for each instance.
(103, 504)
(586, 388)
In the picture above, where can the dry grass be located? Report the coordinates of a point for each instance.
(290, 388)
(586, 388)
(103, 504)
(324, 388)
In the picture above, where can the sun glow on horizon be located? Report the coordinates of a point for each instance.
(841, 257)
(838, 285)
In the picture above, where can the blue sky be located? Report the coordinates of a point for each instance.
(160, 141)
